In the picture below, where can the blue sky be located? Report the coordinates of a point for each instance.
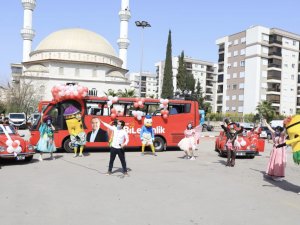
(195, 25)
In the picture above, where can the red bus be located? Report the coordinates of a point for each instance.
(168, 130)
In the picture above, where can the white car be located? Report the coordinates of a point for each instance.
(17, 120)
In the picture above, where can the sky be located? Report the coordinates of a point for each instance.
(195, 25)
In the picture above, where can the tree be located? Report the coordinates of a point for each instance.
(167, 88)
(207, 107)
(127, 93)
(266, 110)
(199, 95)
(111, 92)
(190, 83)
(24, 96)
(181, 74)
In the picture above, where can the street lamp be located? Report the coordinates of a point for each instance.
(141, 24)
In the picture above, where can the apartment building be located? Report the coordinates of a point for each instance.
(258, 64)
(205, 72)
(148, 84)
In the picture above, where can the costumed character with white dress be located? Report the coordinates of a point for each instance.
(188, 143)
(147, 135)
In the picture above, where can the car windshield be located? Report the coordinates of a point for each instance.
(36, 116)
(9, 130)
(16, 116)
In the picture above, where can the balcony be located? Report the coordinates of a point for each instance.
(220, 78)
(220, 91)
(209, 77)
(275, 39)
(274, 99)
(210, 69)
(208, 92)
(210, 84)
(219, 101)
(274, 90)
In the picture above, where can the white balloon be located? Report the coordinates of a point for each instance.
(161, 100)
(109, 103)
(115, 98)
(139, 117)
(134, 113)
(140, 113)
(110, 97)
(10, 149)
(161, 106)
(18, 149)
(8, 142)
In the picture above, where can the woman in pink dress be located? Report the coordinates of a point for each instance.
(188, 143)
(277, 162)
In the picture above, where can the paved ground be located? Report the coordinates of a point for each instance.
(161, 190)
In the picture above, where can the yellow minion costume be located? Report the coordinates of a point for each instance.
(292, 126)
(75, 128)
(147, 134)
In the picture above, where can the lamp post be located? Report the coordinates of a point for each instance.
(141, 24)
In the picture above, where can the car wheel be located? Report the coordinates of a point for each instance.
(204, 127)
(159, 144)
(211, 128)
(28, 158)
(68, 146)
(221, 153)
(251, 156)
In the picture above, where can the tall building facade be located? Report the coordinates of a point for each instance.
(149, 84)
(258, 64)
(205, 72)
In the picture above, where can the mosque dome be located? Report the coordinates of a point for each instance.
(76, 40)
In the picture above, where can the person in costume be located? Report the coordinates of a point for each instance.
(277, 162)
(46, 141)
(188, 143)
(75, 128)
(232, 130)
(147, 135)
(292, 126)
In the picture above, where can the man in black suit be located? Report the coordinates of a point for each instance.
(97, 134)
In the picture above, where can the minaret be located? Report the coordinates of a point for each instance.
(123, 41)
(27, 32)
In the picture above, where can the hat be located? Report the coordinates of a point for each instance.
(71, 110)
(47, 118)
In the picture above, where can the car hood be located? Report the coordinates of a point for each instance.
(13, 137)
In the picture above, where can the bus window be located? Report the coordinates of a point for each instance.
(153, 109)
(54, 116)
(130, 108)
(94, 107)
(119, 108)
(179, 108)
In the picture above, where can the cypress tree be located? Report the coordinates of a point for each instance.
(181, 74)
(199, 94)
(167, 87)
(190, 82)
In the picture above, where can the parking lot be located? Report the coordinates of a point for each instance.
(166, 189)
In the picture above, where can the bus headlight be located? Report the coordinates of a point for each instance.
(30, 147)
(2, 149)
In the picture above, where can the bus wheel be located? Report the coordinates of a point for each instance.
(68, 146)
(159, 144)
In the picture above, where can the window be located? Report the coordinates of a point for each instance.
(228, 87)
(227, 76)
(242, 51)
(243, 40)
(234, 75)
(94, 73)
(241, 97)
(236, 42)
(240, 109)
(235, 64)
(293, 65)
(77, 72)
(61, 71)
(241, 86)
(233, 108)
(229, 65)
(227, 98)
(242, 74)
(242, 63)
(233, 97)
(229, 43)
(292, 77)
(294, 43)
(264, 74)
(235, 53)
(286, 65)
(227, 108)
(234, 86)
(229, 54)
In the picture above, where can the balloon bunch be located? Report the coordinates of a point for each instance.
(137, 114)
(62, 91)
(114, 113)
(112, 100)
(139, 103)
(13, 146)
(164, 105)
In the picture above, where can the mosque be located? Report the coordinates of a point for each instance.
(73, 55)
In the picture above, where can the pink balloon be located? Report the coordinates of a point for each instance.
(14, 144)
(140, 102)
(113, 116)
(120, 114)
(142, 106)
(136, 105)
(165, 116)
(167, 112)
(143, 100)
(113, 111)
